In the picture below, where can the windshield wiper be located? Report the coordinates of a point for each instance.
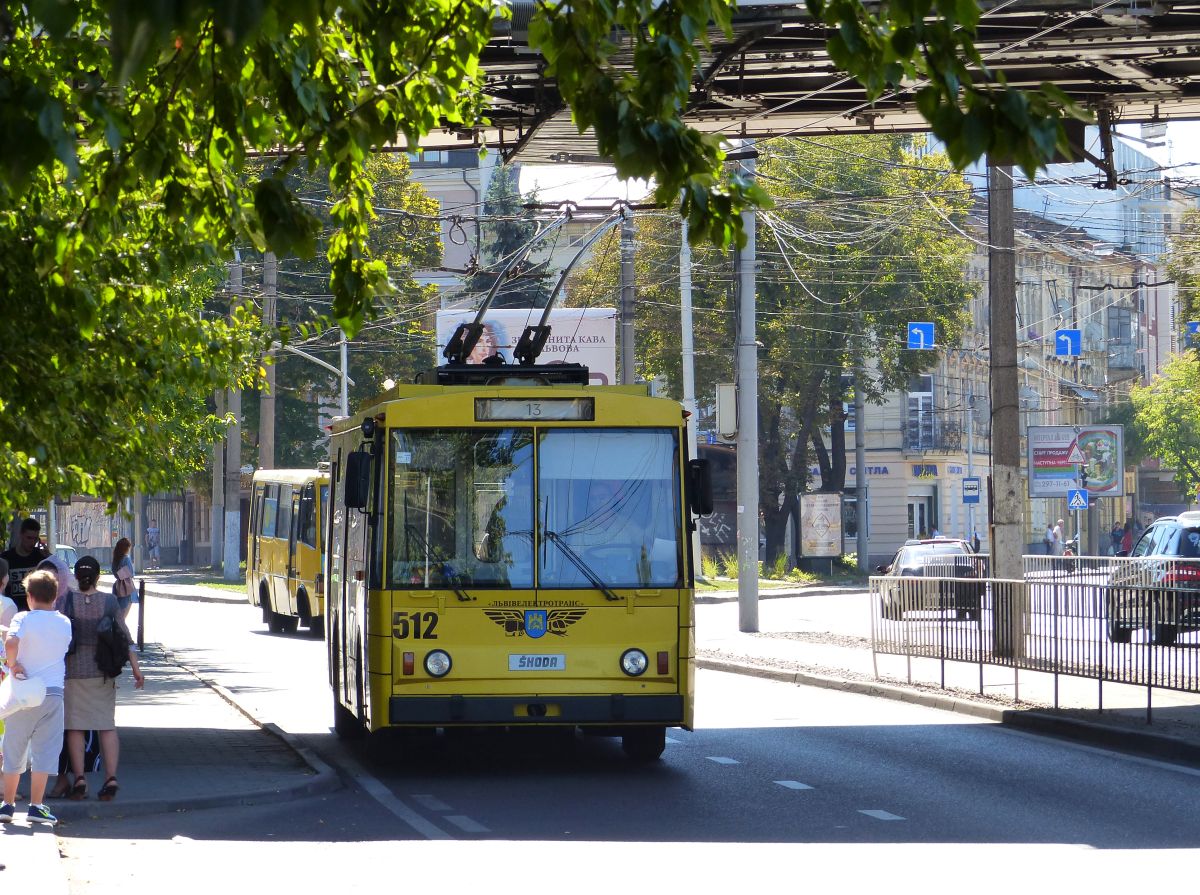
(582, 566)
(448, 572)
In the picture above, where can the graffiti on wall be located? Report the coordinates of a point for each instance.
(87, 526)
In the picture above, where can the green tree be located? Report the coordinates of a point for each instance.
(858, 245)
(129, 127)
(1169, 419)
(508, 228)
(1183, 266)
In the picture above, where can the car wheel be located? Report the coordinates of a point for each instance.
(1164, 635)
(1118, 633)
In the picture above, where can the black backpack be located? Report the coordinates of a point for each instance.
(112, 643)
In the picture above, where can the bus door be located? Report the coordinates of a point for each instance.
(293, 563)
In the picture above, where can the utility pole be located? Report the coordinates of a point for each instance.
(266, 405)
(689, 358)
(233, 456)
(747, 440)
(628, 297)
(216, 524)
(1008, 529)
(861, 505)
(971, 458)
(344, 388)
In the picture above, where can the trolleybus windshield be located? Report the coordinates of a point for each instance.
(608, 500)
(461, 508)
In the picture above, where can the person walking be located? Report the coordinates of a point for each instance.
(35, 648)
(90, 696)
(1127, 538)
(1115, 536)
(123, 571)
(1048, 539)
(22, 558)
(1059, 543)
(153, 545)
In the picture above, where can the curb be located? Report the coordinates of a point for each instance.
(1157, 745)
(324, 778)
(781, 593)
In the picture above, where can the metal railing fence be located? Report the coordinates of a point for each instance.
(1109, 619)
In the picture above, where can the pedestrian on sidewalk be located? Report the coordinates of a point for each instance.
(35, 648)
(123, 571)
(1060, 543)
(91, 696)
(152, 544)
(22, 558)
(1048, 539)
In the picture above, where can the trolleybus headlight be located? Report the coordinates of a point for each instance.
(633, 662)
(437, 663)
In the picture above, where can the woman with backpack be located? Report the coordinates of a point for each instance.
(91, 694)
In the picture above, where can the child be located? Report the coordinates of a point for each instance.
(36, 647)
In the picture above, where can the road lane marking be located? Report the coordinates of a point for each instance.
(721, 760)
(793, 784)
(430, 803)
(377, 790)
(879, 815)
(466, 824)
(673, 741)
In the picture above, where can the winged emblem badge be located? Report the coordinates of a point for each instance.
(535, 622)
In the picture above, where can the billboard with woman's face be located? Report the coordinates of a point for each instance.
(585, 336)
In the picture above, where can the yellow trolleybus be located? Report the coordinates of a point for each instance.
(511, 547)
(286, 549)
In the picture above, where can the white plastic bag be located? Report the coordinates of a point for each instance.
(18, 693)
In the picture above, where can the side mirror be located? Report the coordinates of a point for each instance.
(700, 490)
(881, 568)
(358, 480)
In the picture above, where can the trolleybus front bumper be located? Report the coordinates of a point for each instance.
(614, 709)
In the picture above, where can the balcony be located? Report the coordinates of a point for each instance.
(926, 433)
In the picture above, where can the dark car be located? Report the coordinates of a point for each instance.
(942, 558)
(1158, 587)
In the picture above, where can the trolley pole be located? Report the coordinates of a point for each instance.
(747, 440)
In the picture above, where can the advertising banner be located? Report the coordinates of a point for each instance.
(585, 336)
(1066, 458)
(821, 525)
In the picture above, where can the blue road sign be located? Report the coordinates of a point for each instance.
(1077, 499)
(1067, 342)
(920, 335)
(1193, 327)
(971, 487)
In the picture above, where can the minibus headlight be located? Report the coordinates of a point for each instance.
(633, 662)
(438, 663)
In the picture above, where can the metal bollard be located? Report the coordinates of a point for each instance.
(141, 635)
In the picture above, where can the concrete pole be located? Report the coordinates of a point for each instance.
(344, 394)
(231, 555)
(628, 296)
(689, 359)
(217, 516)
(971, 460)
(266, 406)
(861, 505)
(747, 441)
(1009, 621)
(1008, 528)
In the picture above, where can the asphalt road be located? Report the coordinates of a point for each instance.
(778, 785)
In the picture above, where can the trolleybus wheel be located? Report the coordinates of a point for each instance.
(284, 624)
(644, 743)
(316, 627)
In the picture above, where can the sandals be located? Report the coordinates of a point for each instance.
(109, 790)
(78, 789)
(62, 787)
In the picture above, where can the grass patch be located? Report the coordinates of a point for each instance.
(222, 584)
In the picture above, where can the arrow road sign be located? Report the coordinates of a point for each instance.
(920, 335)
(1067, 342)
(1077, 499)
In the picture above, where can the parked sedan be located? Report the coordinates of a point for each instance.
(1158, 587)
(941, 558)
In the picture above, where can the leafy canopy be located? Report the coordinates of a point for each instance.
(1169, 418)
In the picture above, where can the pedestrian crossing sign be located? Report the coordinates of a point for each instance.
(1077, 499)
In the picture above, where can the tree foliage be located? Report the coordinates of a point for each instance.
(129, 128)
(861, 241)
(1169, 419)
(508, 228)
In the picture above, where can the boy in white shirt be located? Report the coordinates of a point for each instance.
(36, 647)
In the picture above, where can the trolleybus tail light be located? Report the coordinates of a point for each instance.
(437, 663)
(634, 662)
(409, 662)
(663, 662)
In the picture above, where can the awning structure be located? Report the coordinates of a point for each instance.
(1138, 60)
